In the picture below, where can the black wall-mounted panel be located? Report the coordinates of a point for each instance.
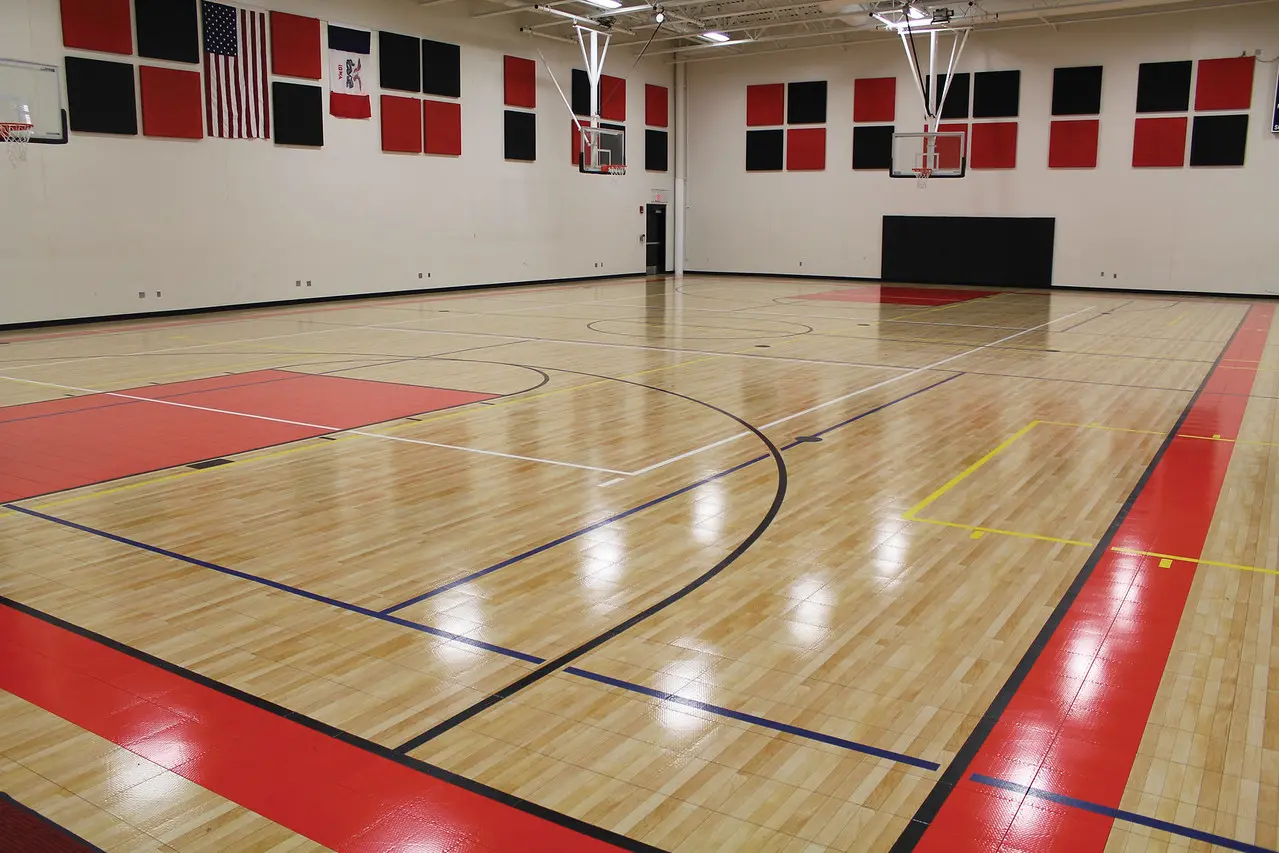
(101, 96)
(299, 114)
(1077, 91)
(656, 151)
(806, 102)
(996, 94)
(520, 135)
(873, 147)
(441, 69)
(400, 58)
(957, 98)
(581, 94)
(1219, 140)
(167, 30)
(982, 250)
(764, 150)
(1163, 87)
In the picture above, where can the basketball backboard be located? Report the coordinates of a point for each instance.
(31, 92)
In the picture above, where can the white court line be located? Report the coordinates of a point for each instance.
(841, 399)
(324, 427)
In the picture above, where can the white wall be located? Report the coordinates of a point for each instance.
(84, 227)
(1200, 229)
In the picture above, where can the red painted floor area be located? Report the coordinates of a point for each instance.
(337, 793)
(1074, 726)
(899, 295)
(63, 444)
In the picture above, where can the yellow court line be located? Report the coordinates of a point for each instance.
(963, 475)
(1201, 562)
(977, 529)
(1230, 440)
(1104, 427)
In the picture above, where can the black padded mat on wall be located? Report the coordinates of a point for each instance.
(764, 150)
(1077, 91)
(441, 69)
(1219, 140)
(1163, 87)
(996, 94)
(957, 98)
(656, 151)
(581, 93)
(400, 59)
(873, 147)
(806, 102)
(167, 30)
(1001, 251)
(102, 96)
(299, 114)
(520, 135)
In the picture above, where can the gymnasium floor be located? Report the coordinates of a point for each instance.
(734, 565)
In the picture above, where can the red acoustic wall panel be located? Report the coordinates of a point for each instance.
(875, 99)
(520, 81)
(172, 103)
(765, 105)
(1159, 142)
(442, 127)
(401, 125)
(1225, 84)
(951, 152)
(656, 106)
(97, 25)
(1073, 144)
(612, 98)
(994, 145)
(805, 149)
(295, 46)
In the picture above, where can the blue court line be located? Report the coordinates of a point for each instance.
(489, 647)
(663, 696)
(568, 537)
(1121, 814)
(282, 587)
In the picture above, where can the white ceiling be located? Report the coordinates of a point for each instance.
(769, 26)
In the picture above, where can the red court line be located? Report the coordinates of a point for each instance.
(64, 444)
(897, 295)
(337, 790)
(1074, 725)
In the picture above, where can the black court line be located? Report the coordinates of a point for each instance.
(955, 771)
(431, 770)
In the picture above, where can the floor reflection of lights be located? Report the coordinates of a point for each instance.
(681, 678)
(708, 513)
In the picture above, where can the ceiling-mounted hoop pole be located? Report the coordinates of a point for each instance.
(594, 56)
(933, 103)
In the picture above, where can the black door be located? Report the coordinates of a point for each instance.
(655, 230)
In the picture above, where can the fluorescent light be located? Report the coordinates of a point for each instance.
(916, 13)
(606, 4)
(717, 38)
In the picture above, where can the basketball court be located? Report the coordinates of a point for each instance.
(686, 562)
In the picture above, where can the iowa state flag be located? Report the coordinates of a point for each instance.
(349, 64)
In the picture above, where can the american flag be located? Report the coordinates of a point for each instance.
(235, 74)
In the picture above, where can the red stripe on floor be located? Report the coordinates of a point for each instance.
(335, 793)
(1076, 722)
(894, 295)
(64, 444)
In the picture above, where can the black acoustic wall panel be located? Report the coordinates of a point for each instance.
(806, 102)
(996, 94)
(1163, 87)
(764, 150)
(656, 151)
(400, 58)
(299, 114)
(873, 147)
(957, 98)
(1077, 91)
(167, 30)
(520, 135)
(441, 69)
(581, 94)
(1219, 140)
(996, 251)
(101, 96)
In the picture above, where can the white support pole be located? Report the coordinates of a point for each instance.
(681, 162)
(910, 57)
(594, 57)
(932, 79)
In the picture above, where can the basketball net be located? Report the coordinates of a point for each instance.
(15, 137)
(922, 174)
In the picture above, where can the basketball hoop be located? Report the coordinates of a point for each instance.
(15, 136)
(922, 174)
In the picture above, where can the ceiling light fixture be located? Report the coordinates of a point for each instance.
(660, 16)
(717, 38)
(606, 4)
